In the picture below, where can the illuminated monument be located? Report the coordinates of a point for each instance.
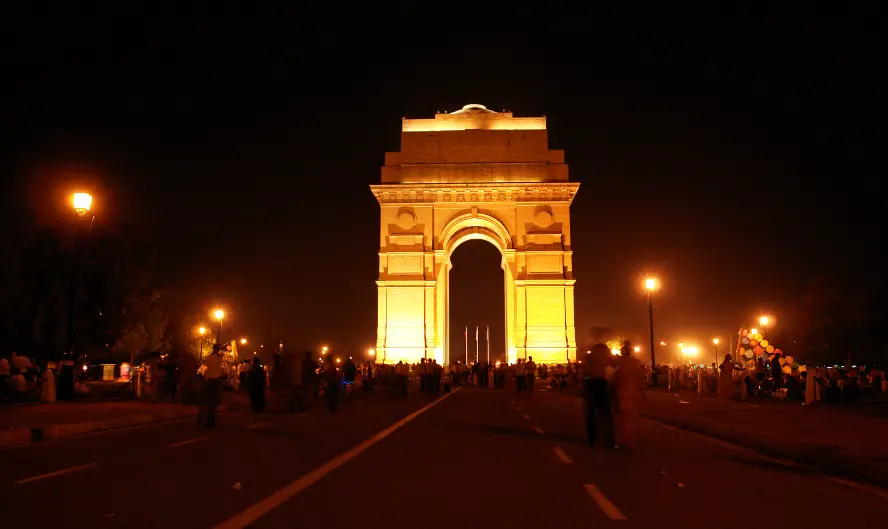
(475, 174)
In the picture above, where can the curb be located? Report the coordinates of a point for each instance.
(823, 459)
(21, 436)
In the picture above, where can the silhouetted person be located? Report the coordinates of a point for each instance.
(596, 396)
(256, 385)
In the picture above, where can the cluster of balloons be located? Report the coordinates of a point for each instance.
(753, 346)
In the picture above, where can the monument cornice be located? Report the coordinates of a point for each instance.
(472, 192)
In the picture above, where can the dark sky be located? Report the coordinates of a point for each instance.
(725, 151)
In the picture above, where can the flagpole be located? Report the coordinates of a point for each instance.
(467, 345)
(488, 344)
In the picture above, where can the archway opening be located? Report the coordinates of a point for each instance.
(476, 299)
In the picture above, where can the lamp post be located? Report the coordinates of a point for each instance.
(200, 332)
(715, 341)
(220, 314)
(82, 204)
(681, 352)
(651, 284)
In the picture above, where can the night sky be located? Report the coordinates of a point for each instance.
(726, 152)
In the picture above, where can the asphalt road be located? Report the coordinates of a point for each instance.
(483, 458)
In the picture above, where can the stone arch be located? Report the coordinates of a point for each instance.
(478, 226)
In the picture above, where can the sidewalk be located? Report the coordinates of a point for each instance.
(29, 423)
(827, 438)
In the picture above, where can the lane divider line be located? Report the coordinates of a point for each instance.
(56, 473)
(561, 455)
(260, 424)
(187, 442)
(605, 504)
(263, 507)
(868, 488)
(538, 430)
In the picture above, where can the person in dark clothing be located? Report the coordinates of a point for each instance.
(308, 385)
(256, 385)
(331, 377)
(171, 381)
(596, 397)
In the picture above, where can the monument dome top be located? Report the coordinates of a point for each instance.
(473, 107)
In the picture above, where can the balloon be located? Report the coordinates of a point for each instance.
(787, 370)
(764, 343)
(753, 343)
(782, 361)
(789, 360)
(766, 357)
(795, 365)
(743, 332)
(769, 348)
(758, 350)
(748, 354)
(745, 340)
(778, 352)
(802, 369)
(758, 336)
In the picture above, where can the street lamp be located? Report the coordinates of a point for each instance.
(651, 284)
(201, 332)
(715, 341)
(220, 314)
(81, 203)
(243, 341)
(371, 351)
(324, 350)
(763, 321)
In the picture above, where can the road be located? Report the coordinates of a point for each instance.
(483, 458)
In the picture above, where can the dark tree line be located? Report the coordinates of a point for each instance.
(119, 312)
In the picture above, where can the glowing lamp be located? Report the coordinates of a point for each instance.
(715, 341)
(82, 203)
(243, 341)
(219, 314)
(763, 321)
(754, 331)
(637, 348)
(202, 331)
(615, 351)
(371, 351)
(650, 283)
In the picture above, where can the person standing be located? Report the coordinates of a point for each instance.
(627, 381)
(256, 385)
(529, 373)
(596, 398)
(213, 375)
(48, 386)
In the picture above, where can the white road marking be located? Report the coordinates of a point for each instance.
(526, 416)
(609, 508)
(537, 429)
(263, 507)
(260, 424)
(56, 473)
(187, 442)
(561, 455)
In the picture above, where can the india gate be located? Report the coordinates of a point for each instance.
(475, 174)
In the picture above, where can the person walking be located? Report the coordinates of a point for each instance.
(597, 405)
(529, 373)
(212, 385)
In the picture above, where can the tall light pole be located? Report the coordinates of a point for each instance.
(651, 284)
(220, 314)
(715, 341)
(200, 332)
(681, 353)
(82, 204)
